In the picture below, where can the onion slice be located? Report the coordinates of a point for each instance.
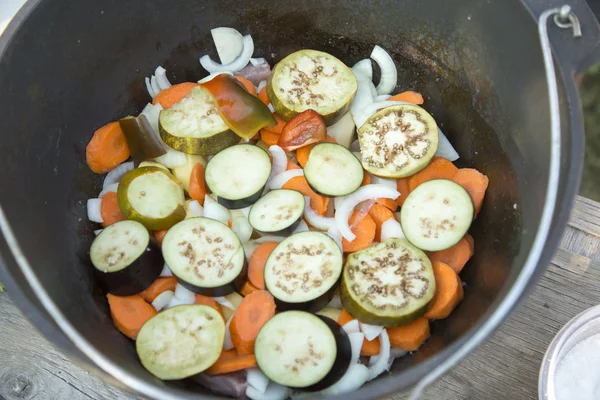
(94, 210)
(154, 85)
(229, 43)
(260, 86)
(149, 87)
(318, 221)
(161, 78)
(365, 66)
(356, 341)
(258, 61)
(354, 378)
(210, 77)
(343, 130)
(366, 192)
(213, 210)
(279, 161)
(162, 300)
(379, 363)
(257, 379)
(389, 73)
(370, 331)
(391, 229)
(391, 183)
(278, 181)
(302, 227)
(115, 175)
(224, 302)
(98, 231)
(242, 228)
(334, 233)
(351, 326)
(194, 209)
(265, 239)
(113, 187)
(166, 272)
(240, 62)
(336, 302)
(445, 149)
(227, 342)
(274, 391)
(363, 96)
(382, 97)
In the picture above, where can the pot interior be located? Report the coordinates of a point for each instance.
(76, 65)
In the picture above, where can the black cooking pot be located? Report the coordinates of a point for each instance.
(69, 66)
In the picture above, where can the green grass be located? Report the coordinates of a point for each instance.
(590, 100)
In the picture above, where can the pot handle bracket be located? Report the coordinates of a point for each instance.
(565, 19)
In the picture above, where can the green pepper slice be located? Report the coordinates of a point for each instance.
(141, 139)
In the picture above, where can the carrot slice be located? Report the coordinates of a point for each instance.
(409, 97)
(129, 313)
(411, 336)
(370, 347)
(256, 266)
(364, 231)
(292, 165)
(318, 203)
(475, 183)
(230, 361)
(390, 204)
(107, 148)
(197, 188)
(344, 317)
(208, 301)
(448, 291)
(457, 255)
(280, 124)
(263, 96)
(366, 179)
(253, 312)
(174, 94)
(439, 168)
(303, 153)
(379, 214)
(109, 209)
(249, 86)
(158, 286)
(269, 137)
(159, 236)
(402, 187)
(248, 288)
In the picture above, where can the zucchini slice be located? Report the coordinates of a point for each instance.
(436, 215)
(333, 170)
(152, 196)
(302, 272)
(126, 258)
(181, 341)
(205, 256)
(278, 212)
(389, 284)
(302, 350)
(312, 80)
(238, 175)
(398, 141)
(194, 125)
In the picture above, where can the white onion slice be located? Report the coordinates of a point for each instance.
(227, 342)
(354, 378)
(115, 175)
(334, 233)
(274, 392)
(240, 62)
(370, 331)
(98, 231)
(365, 66)
(445, 149)
(149, 88)
(185, 295)
(166, 271)
(336, 302)
(366, 192)
(373, 90)
(152, 113)
(265, 239)
(154, 84)
(161, 78)
(302, 227)
(397, 353)
(258, 61)
(260, 86)
(391, 183)
(356, 341)
(245, 211)
(379, 363)
(271, 108)
(382, 97)
(113, 187)
(279, 161)
(213, 210)
(257, 379)
(351, 326)
(194, 209)
(210, 77)
(249, 248)
(318, 221)
(363, 96)
(94, 210)
(162, 300)
(361, 116)
(278, 181)
(389, 73)
(355, 146)
(391, 229)
(224, 302)
(343, 130)
(229, 43)
(242, 228)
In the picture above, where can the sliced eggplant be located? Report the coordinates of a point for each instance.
(205, 256)
(333, 170)
(152, 196)
(436, 215)
(302, 272)
(278, 212)
(398, 141)
(238, 175)
(194, 125)
(184, 172)
(389, 284)
(312, 80)
(181, 341)
(302, 350)
(126, 258)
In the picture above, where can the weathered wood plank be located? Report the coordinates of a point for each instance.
(586, 216)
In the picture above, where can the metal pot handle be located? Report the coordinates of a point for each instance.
(564, 18)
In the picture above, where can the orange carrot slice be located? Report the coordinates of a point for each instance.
(249, 86)
(129, 313)
(173, 95)
(159, 236)
(409, 97)
(248, 288)
(411, 336)
(269, 137)
(109, 209)
(208, 301)
(318, 203)
(448, 291)
(366, 179)
(292, 165)
(344, 317)
(457, 255)
(107, 148)
(262, 95)
(390, 204)
(475, 183)
(197, 188)
(379, 214)
(402, 187)
(230, 361)
(364, 231)
(280, 124)
(303, 153)
(253, 312)
(158, 286)
(256, 266)
(438, 168)
(370, 347)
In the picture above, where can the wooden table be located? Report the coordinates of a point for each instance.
(506, 366)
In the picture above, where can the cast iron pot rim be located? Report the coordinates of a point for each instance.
(543, 247)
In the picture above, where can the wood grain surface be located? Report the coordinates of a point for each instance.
(506, 366)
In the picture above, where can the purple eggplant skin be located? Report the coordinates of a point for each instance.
(233, 384)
